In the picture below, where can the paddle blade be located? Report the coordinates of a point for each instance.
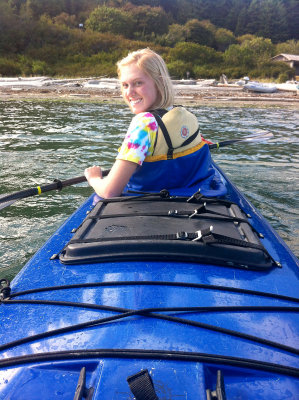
(7, 203)
(259, 137)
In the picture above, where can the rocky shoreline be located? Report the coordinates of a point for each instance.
(108, 91)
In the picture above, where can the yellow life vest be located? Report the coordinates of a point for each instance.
(177, 136)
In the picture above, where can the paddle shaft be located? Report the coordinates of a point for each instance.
(224, 143)
(56, 185)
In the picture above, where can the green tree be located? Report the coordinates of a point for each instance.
(195, 53)
(251, 53)
(241, 22)
(14, 31)
(244, 38)
(223, 39)
(292, 15)
(66, 20)
(263, 49)
(16, 5)
(234, 13)
(108, 19)
(237, 55)
(267, 18)
(36, 8)
(147, 20)
(176, 33)
(9, 67)
(288, 47)
(198, 33)
(179, 69)
(39, 67)
(188, 9)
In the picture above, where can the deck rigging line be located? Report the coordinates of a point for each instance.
(147, 313)
(166, 355)
(158, 283)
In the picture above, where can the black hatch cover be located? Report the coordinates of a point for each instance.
(208, 231)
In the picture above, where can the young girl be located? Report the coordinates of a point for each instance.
(162, 148)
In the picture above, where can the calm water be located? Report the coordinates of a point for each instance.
(41, 141)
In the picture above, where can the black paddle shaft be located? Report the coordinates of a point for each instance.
(224, 143)
(56, 185)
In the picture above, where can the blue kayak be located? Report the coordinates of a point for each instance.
(155, 296)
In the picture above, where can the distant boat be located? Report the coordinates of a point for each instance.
(260, 87)
(243, 81)
(102, 84)
(292, 86)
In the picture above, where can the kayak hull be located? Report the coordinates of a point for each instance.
(119, 328)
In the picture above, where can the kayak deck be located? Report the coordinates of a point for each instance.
(182, 321)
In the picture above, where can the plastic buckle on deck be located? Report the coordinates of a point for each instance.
(195, 197)
(164, 193)
(205, 235)
(199, 210)
(182, 235)
(173, 213)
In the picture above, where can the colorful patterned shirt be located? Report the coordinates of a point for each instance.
(140, 138)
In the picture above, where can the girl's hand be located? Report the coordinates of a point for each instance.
(113, 184)
(93, 173)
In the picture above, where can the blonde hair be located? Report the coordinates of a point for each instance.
(154, 66)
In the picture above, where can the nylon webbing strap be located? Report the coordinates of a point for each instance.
(173, 213)
(206, 238)
(142, 386)
(165, 134)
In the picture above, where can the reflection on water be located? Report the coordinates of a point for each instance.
(41, 141)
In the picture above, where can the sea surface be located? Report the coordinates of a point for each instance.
(42, 141)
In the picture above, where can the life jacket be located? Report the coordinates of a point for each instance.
(181, 161)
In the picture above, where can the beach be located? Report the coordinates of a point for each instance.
(108, 90)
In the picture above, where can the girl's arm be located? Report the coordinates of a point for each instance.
(135, 147)
(114, 183)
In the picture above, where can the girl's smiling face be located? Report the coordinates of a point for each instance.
(138, 89)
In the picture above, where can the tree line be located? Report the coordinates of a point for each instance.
(201, 38)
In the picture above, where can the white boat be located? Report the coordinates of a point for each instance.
(102, 84)
(290, 86)
(243, 81)
(260, 87)
(20, 81)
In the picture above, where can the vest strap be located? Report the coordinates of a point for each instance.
(190, 139)
(165, 134)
